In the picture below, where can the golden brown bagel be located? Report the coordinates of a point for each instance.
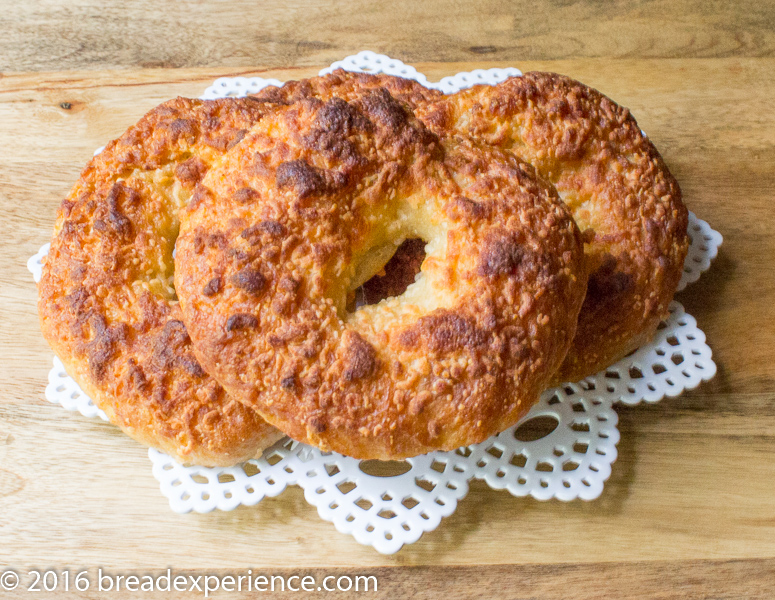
(349, 86)
(107, 304)
(310, 204)
(615, 184)
(154, 166)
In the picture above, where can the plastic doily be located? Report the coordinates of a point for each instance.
(563, 448)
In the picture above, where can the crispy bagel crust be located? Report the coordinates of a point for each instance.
(280, 226)
(615, 184)
(350, 86)
(106, 304)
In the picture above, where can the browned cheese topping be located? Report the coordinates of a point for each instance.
(107, 304)
(616, 185)
(311, 204)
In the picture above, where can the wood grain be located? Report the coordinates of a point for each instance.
(719, 580)
(694, 478)
(48, 35)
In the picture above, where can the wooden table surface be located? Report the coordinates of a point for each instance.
(689, 510)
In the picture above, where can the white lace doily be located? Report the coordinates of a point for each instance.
(62, 389)
(562, 449)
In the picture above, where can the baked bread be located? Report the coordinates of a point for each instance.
(309, 205)
(334, 175)
(616, 185)
(610, 175)
(349, 85)
(107, 303)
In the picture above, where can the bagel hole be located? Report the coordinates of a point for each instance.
(384, 468)
(155, 270)
(393, 279)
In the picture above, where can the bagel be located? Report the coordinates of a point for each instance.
(106, 300)
(313, 202)
(349, 85)
(616, 185)
(107, 304)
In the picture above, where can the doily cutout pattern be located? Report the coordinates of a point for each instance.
(62, 389)
(676, 359)
(384, 512)
(366, 62)
(203, 489)
(237, 87)
(703, 248)
(571, 461)
(371, 62)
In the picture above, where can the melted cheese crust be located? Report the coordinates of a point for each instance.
(309, 204)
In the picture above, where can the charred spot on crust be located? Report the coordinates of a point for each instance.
(270, 227)
(220, 142)
(212, 287)
(252, 234)
(450, 332)
(502, 255)
(203, 240)
(166, 346)
(316, 425)
(239, 255)
(360, 358)
(273, 228)
(182, 128)
(245, 195)
(241, 321)
(136, 376)
(250, 280)
(385, 109)
(334, 124)
(444, 333)
(77, 301)
(305, 179)
(607, 282)
(172, 348)
(341, 118)
(201, 194)
(465, 208)
(191, 171)
(588, 235)
(289, 284)
(101, 348)
(119, 194)
(237, 138)
(191, 366)
(67, 207)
